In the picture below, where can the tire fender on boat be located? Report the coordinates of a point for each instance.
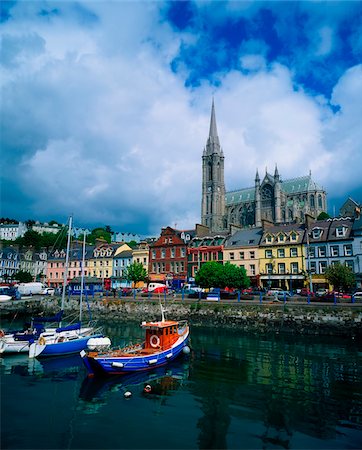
(154, 341)
(41, 340)
(2, 333)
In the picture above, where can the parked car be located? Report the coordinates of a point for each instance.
(358, 295)
(304, 292)
(321, 291)
(48, 291)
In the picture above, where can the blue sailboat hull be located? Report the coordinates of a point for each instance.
(65, 348)
(114, 365)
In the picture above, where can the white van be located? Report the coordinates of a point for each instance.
(30, 288)
(156, 288)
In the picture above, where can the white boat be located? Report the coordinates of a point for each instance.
(69, 339)
(17, 341)
(4, 298)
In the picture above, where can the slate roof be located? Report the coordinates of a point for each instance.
(291, 186)
(245, 238)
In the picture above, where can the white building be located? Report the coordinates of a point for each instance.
(12, 231)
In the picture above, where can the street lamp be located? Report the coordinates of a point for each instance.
(309, 268)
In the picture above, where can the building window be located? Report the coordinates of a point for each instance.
(269, 239)
(281, 253)
(347, 250)
(182, 266)
(334, 250)
(313, 267)
(281, 238)
(311, 252)
(252, 255)
(153, 254)
(322, 252)
(269, 268)
(241, 255)
(340, 231)
(252, 269)
(293, 237)
(281, 268)
(268, 253)
(293, 252)
(350, 265)
(231, 255)
(322, 266)
(183, 252)
(163, 253)
(294, 267)
(316, 233)
(172, 252)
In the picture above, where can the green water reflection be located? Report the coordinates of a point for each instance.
(235, 391)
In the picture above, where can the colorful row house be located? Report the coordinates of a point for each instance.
(168, 259)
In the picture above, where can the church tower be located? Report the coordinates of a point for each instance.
(213, 185)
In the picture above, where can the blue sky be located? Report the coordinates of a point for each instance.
(106, 105)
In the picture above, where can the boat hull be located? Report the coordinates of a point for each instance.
(114, 365)
(68, 347)
(12, 346)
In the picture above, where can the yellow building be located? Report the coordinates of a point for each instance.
(282, 257)
(140, 254)
(101, 262)
(242, 249)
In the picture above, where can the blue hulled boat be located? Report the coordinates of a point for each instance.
(165, 341)
(69, 339)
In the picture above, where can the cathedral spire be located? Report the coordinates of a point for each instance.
(213, 136)
(276, 173)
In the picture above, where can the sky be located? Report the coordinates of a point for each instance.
(105, 105)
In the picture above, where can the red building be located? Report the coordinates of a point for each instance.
(168, 258)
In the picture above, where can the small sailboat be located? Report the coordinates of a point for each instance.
(17, 341)
(165, 340)
(69, 339)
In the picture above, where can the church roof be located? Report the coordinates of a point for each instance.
(292, 186)
(242, 195)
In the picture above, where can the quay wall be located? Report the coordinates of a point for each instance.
(302, 319)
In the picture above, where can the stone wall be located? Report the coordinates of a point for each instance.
(303, 319)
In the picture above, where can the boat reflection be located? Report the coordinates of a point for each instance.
(54, 368)
(160, 382)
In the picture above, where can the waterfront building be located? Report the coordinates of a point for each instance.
(101, 263)
(350, 208)
(242, 249)
(282, 257)
(118, 237)
(34, 262)
(328, 242)
(204, 249)
(168, 258)
(271, 198)
(9, 263)
(140, 255)
(12, 231)
(46, 228)
(122, 259)
(357, 250)
(56, 264)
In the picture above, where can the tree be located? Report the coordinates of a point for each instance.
(213, 274)
(24, 277)
(323, 216)
(209, 275)
(135, 273)
(29, 223)
(235, 277)
(340, 276)
(99, 233)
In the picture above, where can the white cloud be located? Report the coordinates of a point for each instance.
(108, 131)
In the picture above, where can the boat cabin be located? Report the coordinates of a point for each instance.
(160, 335)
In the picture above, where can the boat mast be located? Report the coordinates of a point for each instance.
(82, 281)
(65, 277)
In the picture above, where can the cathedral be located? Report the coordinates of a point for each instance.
(271, 198)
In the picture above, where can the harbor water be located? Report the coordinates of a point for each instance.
(234, 391)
